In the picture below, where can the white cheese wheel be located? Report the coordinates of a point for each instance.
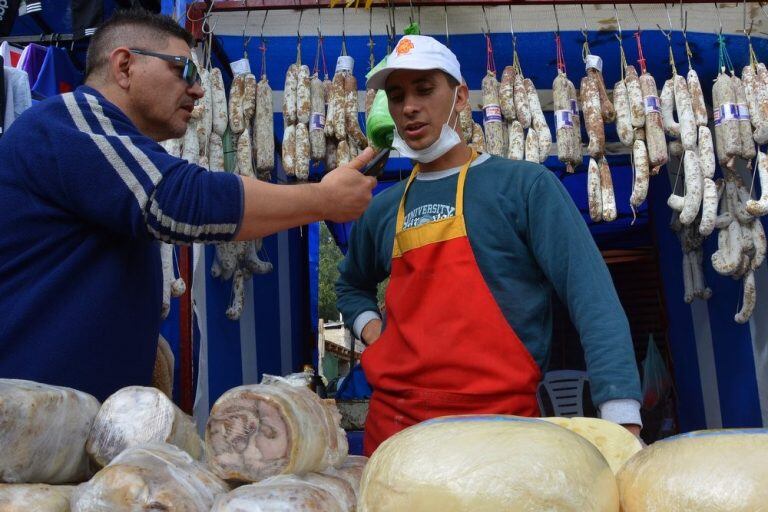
(616, 443)
(706, 471)
(35, 497)
(487, 464)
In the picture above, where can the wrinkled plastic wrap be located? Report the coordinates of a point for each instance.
(283, 493)
(706, 471)
(150, 477)
(616, 443)
(35, 497)
(351, 471)
(487, 464)
(257, 431)
(138, 415)
(43, 430)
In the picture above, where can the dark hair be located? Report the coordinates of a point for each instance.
(129, 28)
(451, 81)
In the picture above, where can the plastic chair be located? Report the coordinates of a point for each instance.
(564, 390)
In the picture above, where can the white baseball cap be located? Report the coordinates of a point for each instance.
(417, 52)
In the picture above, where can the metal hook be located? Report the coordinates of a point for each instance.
(632, 9)
(319, 20)
(719, 21)
(585, 29)
(207, 13)
(263, 22)
(447, 35)
(298, 26)
(246, 40)
(487, 24)
(410, 19)
(554, 8)
(618, 23)
(512, 26)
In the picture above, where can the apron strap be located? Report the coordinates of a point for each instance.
(459, 191)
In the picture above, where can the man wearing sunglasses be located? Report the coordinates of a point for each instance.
(87, 191)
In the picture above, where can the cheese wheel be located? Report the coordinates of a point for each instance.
(705, 471)
(487, 464)
(616, 443)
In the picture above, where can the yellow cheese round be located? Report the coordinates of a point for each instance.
(616, 443)
(487, 464)
(706, 471)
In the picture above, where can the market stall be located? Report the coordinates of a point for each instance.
(718, 364)
(653, 121)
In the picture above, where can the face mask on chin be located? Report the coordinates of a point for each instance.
(445, 142)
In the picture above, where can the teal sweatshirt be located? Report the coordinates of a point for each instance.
(530, 241)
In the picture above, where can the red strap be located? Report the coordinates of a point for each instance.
(560, 55)
(320, 55)
(263, 50)
(640, 56)
(489, 50)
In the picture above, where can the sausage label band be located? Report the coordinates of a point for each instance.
(593, 62)
(316, 121)
(575, 107)
(240, 67)
(563, 119)
(727, 112)
(652, 104)
(743, 112)
(492, 114)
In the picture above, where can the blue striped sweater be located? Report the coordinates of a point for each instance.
(85, 197)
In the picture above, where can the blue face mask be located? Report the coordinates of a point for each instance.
(447, 140)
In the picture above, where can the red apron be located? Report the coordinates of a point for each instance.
(447, 347)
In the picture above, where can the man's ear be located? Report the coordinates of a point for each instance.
(462, 97)
(119, 66)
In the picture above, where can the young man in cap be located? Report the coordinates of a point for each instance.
(474, 245)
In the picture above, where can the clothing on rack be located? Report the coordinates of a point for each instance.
(2, 95)
(18, 95)
(10, 53)
(86, 16)
(31, 61)
(57, 75)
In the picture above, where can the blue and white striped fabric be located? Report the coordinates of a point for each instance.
(720, 368)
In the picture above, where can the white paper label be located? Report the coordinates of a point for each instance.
(743, 110)
(345, 63)
(492, 114)
(574, 107)
(727, 112)
(563, 119)
(593, 62)
(316, 121)
(240, 67)
(652, 104)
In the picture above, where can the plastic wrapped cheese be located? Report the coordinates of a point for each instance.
(35, 497)
(138, 415)
(487, 464)
(706, 471)
(43, 430)
(282, 493)
(150, 477)
(616, 443)
(257, 431)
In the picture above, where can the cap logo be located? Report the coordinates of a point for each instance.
(404, 47)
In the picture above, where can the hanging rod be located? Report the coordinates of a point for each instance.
(198, 9)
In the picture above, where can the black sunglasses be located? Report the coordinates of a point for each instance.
(189, 71)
